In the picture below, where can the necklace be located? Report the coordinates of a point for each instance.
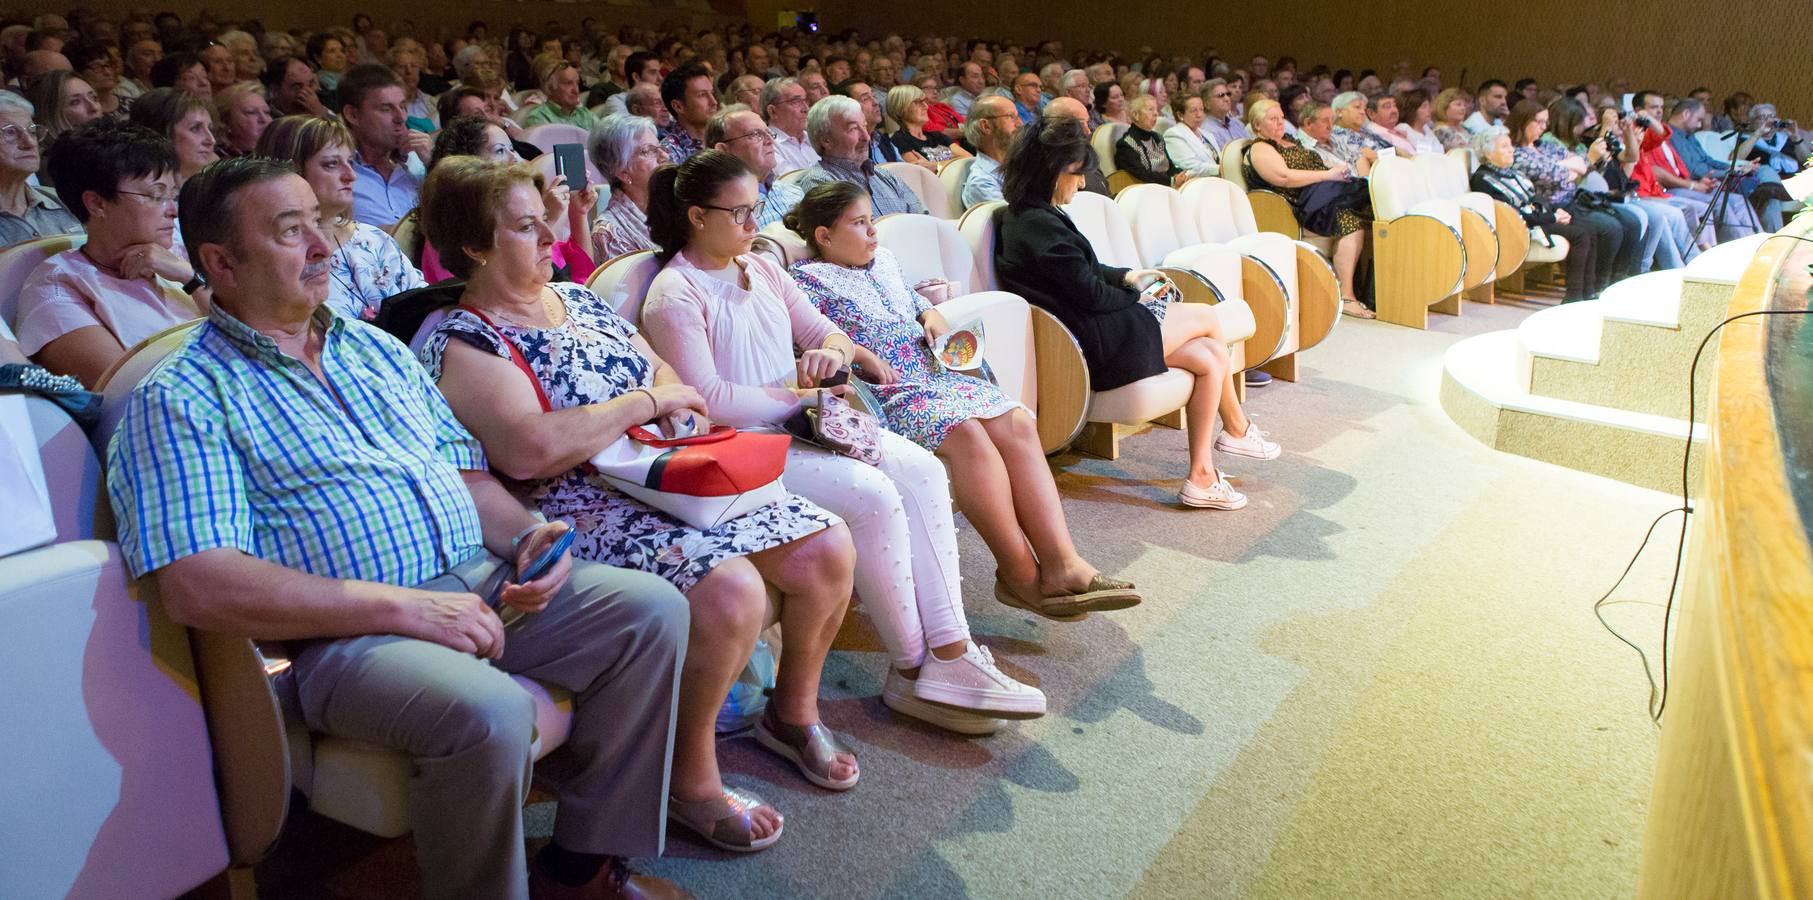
(547, 309)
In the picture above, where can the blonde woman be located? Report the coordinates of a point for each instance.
(907, 113)
(243, 115)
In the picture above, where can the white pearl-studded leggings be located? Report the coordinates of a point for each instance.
(899, 515)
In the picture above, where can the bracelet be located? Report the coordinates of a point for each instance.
(652, 402)
(516, 542)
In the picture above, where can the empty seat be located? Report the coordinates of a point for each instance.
(928, 247)
(925, 185)
(1419, 256)
(952, 177)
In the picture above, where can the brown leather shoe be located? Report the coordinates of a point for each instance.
(615, 881)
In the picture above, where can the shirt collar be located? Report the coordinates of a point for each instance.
(259, 346)
(864, 166)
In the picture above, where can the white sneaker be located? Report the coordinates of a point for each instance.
(897, 695)
(971, 682)
(1219, 495)
(1254, 445)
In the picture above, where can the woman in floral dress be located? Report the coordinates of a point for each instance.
(999, 478)
(546, 376)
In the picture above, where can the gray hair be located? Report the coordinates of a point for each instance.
(771, 94)
(1072, 77)
(612, 142)
(463, 60)
(819, 118)
(11, 102)
(229, 38)
(642, 94)
(972, 127)
(1483, 141)
(1346, 99)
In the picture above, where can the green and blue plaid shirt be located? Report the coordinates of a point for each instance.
(231, 443)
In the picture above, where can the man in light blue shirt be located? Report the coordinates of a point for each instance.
(1220, 126)
(971, 82)
(990, 129)
(389, 155)
(741, 133)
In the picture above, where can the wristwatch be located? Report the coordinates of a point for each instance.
(194, 284)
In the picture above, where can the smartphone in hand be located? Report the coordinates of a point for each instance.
(569, 160)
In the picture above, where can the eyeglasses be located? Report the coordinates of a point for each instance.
(13, 134)
(652, 151)
(157, 198)
(1223, 95)
(762, 137)
(740, 214)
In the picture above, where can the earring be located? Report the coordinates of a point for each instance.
(482, 261)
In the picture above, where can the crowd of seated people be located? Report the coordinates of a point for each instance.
(322, 173)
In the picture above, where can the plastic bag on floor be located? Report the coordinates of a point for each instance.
(749, 693)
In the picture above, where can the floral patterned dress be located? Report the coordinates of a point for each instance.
(366, 269)
(590, 359)
(876, 309)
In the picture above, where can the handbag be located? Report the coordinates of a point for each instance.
(838, 427)
(704, 480)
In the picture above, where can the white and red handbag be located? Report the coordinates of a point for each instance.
(705, 480)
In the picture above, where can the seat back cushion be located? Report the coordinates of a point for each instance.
(17, 263)
(952, 177)
(624, 281)
(1101, 223)
(926, 185)
(1156, 218)
(978, 230)
(929, 247)
(1219, 208)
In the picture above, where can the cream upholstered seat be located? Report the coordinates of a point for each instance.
(929, 247)
(1160, 397)
(781, 244)
(1492, 229)
(925, 185)
(17, 263)
(952, 177)
(1102, 142)
(623, 283)
(1271, 211)
(977, 226)
(1222, 214)
(111, 789)
(1516, 241)
(1419, 254)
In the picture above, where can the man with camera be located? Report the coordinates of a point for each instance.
(1760, 184)
(1661, 174)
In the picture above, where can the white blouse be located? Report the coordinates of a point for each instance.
(1190, 153)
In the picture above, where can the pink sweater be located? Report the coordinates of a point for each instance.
(734, 346)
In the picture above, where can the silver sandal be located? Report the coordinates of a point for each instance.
(812, 749)
(724, 821)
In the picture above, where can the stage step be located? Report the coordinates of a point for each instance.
(1631, 348)
(1485, 390)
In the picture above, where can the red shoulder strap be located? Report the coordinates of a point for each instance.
(515, 356)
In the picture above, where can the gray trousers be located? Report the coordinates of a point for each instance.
(613, 637)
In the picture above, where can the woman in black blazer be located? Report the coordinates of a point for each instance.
(1127, 332)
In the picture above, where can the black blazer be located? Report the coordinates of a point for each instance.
(1041, 256)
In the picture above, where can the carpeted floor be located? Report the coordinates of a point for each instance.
(1381, 679)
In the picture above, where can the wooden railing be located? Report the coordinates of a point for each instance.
(1731, 813)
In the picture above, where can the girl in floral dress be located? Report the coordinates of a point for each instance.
(999, 478)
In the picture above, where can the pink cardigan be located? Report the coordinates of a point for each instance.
(734, 346)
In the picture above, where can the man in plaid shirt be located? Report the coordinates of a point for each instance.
(289, 474)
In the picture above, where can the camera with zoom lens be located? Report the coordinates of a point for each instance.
(1613, 146)
(1645, 122)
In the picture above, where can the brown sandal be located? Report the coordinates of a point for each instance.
(1357, 309)
(811, 748)
(724, 821)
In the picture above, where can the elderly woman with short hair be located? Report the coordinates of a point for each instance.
(908, 112)
(1141, 151)
(1351, 141)
(1497, 178)
(627, 151)
(243, 115)
(1184, 142)
(26, 210)
(1340, 209)
(1452, 106)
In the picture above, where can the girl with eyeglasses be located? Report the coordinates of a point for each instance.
(82, 309)
(730, 322)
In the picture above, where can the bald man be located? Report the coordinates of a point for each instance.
(38, 62)
(990, 129)
(1060, 107)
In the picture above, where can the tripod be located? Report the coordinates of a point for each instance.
(1739, 148)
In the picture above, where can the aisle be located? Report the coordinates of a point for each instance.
(1383, 678)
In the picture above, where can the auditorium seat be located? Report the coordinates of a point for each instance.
(110, 772)
(1271, 211)
(1159, 398)
(17, 263)
(1120, 180)
(781, 244)
(929, 247)
(1493, 230)
(1221, 214)
(623, 283)
(952, 176)
(1102, 142)
(977, 225)
(925, 185)
(1520, 247)
(1419, 257)
(1166, 236)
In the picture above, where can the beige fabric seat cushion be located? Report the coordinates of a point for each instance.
(1143, 400)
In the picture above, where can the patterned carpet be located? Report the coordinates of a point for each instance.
(1383, 678)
